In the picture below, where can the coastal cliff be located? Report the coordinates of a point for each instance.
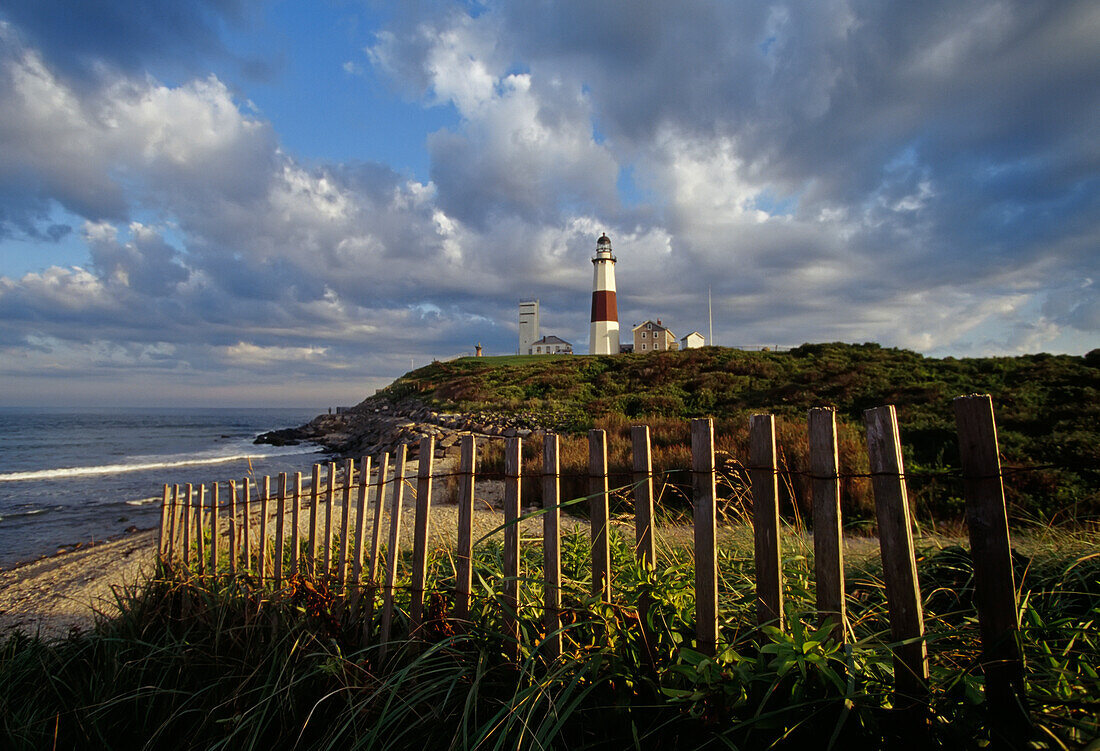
(381, 423)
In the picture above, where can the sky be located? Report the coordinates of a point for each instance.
(242, 203)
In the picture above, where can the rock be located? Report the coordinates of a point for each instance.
(285, 437)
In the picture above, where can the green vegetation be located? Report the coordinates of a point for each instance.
(1048, 410)
(194, 664)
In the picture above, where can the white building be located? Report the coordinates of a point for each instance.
(528, 325)
(694, 340)
(551, 345)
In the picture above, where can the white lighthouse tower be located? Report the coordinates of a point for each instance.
(603, 338)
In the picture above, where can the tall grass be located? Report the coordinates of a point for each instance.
(194, 663)
(671, 456)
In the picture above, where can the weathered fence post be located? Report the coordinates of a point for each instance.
(765, 520)
(173, 531)
(280, 530)
(644, 541)
(513, 463)
(199, 531)
(247, 524)
(330, 502)
(706, 532)
(599, 512)
(464, 555)
(994, 582)
(314, 524)
(361, 519)
(376, 530)
(188, 523)
(397, 494)
(264, 508)
(234, 547)
(345, 523)
(295, 532)
(376, 537)
(551, 547)
(828, 542)
(162, 539)
(214, 528)
(899, 566)
(421, 530)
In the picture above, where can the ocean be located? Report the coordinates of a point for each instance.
(69, 476)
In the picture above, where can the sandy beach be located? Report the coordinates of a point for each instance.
(53, 595)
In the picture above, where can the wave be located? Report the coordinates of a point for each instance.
(21, 514)
(109, 469)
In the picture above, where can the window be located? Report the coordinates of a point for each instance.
(643, 346)
(643, 335)
(648, 326)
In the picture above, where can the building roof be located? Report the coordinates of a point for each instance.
(551, 340)
(695, 333)
(655, 325)
(604, 240)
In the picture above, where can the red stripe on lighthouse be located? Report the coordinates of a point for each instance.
(604, 307)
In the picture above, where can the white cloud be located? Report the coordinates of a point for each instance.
(828, 170)
(245, 353)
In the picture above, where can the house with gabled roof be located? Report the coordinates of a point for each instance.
(651, 336)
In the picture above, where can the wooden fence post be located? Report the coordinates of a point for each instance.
(330, 501)
(264, 508)
(234, 548)
(421, 530)
(765, 520)
(994, 581)
(188, 523)
(247, 525)
(280, 530)
(162, 539)
(464, 555)
(899, 566)
(361, 519)
(706, 532)
(215, 528)
(513, 463)
(296, 532)
(314, 524)
(551, 547)
(644, 541)
(199, 531)
(174, 530)
(398, 496)
(345, 523)
(828, 540)
(599, 513)
(376, 530)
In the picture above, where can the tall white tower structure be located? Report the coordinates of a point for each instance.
(528, 325)
(603, 338)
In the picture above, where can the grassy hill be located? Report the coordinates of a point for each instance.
(1047, 406)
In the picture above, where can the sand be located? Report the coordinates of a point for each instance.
(54, 595)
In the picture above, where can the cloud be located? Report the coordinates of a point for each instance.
(827, 171)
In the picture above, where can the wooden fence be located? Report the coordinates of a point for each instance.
(194, 525)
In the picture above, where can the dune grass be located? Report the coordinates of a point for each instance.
(220, 663)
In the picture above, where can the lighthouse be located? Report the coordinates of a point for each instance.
(603, 338)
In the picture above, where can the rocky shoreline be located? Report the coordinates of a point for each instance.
(380, 424)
